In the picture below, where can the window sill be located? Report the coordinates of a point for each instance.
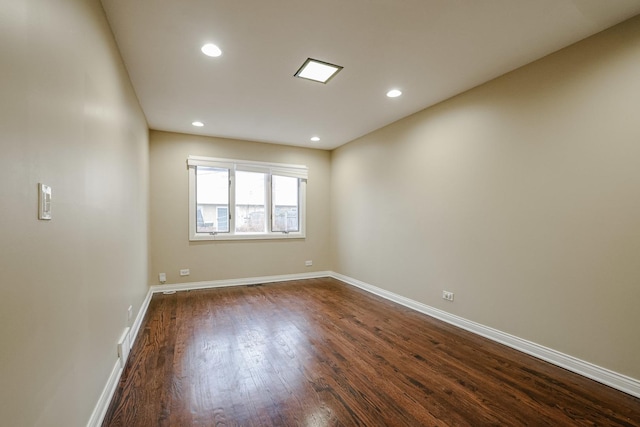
(261, 236)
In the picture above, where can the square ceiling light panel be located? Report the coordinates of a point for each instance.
(318, 71)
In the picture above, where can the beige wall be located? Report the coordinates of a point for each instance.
(170, 248)
(69, 119)
(522, 196)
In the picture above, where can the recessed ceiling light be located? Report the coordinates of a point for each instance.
(318, 71)
(394, 93)
(197, 124)
(211, 49)
(315, 138)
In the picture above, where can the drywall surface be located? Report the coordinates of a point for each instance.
(521, 196)
(170, 248)
(69, 119)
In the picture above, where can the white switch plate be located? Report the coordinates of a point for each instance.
(44, 202)
(185, 272)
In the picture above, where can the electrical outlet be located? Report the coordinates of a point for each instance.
(446, 295)
(308, 263)
(185, 272)
(162, 277)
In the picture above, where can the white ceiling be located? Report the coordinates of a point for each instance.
(430, 49)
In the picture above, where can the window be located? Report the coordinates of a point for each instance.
(213, 199)
(285, 191)
(234, 199)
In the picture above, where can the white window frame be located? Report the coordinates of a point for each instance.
(297, 171)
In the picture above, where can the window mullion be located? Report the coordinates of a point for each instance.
(232, 201)
(269, 201)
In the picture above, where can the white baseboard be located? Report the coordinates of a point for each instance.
(237, 282)
(102, 406)
(135, 328)
(100, 410)
(605, 376)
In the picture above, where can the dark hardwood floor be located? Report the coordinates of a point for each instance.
(321, 353)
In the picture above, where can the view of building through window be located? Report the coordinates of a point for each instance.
(285, 204)
(212, 194)
(251, 202)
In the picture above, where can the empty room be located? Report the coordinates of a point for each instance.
(330, 213)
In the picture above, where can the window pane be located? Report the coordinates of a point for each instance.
(250, 202)
(223, 217)
(212, 198)
(285, 204)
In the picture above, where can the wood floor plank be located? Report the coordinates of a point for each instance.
(318, 352)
